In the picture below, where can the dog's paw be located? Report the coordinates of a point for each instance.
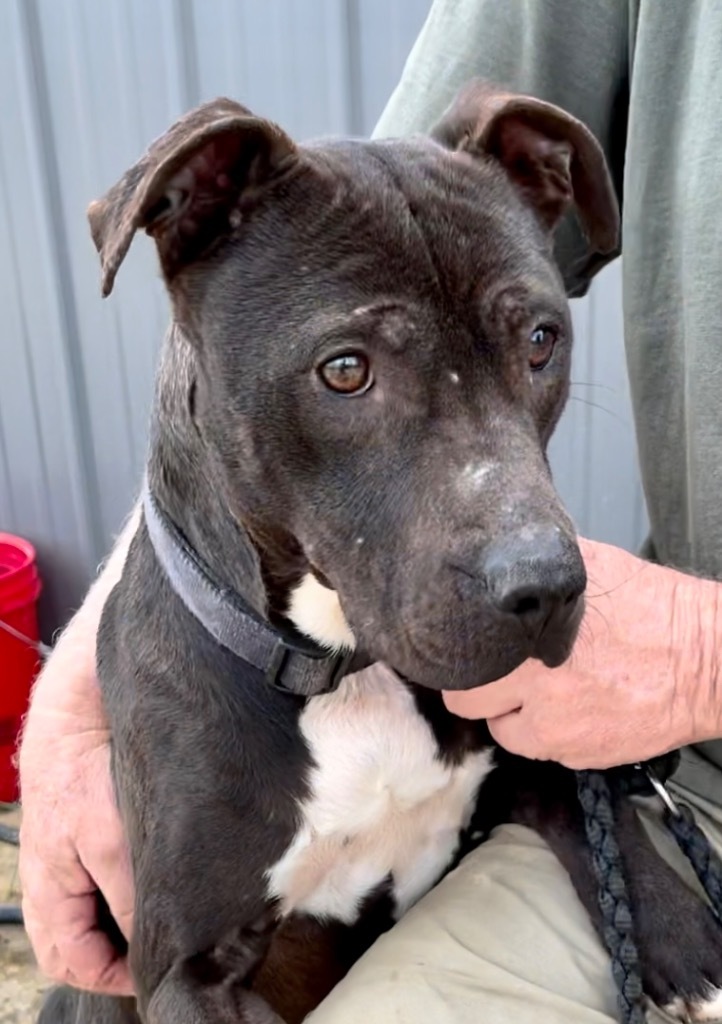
(706, 1009)
(682, 963)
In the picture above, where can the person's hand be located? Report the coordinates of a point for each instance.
(71, 837)
(640, 681)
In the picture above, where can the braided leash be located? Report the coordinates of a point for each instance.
(695, 846)
(595, 797)
(618, 924)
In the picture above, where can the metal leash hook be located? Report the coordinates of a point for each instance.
(660, 789)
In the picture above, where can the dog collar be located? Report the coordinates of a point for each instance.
(290, 662)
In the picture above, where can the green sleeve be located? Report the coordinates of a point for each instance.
(569, 52)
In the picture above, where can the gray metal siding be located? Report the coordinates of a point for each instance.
(83, 87)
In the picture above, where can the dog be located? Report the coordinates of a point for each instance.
(369, 351)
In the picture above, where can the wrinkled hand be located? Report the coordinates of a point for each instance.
(71, 837)
(640, 681)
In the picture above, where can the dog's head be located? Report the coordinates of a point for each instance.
(383, 343)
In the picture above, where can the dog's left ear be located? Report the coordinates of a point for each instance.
(188, 189)
(551, 157)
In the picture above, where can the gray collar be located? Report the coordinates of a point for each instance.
(290, 662)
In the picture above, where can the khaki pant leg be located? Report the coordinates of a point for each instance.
(502, 940)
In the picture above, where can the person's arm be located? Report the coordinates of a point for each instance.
(645, 676)
(71, 838)
(572, 54)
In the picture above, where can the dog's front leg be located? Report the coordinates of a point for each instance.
(212, 986)
(182, 1003)
(679, 939)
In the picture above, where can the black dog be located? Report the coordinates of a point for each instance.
(369, 352)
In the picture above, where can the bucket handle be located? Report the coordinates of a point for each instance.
(43, 650)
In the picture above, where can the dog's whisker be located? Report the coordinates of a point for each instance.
(592, 384)
(602, 408)
(622, 583)
(597, 611)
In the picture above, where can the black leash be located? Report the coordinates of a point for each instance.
(595, 797)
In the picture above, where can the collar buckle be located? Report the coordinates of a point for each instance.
(338, 667)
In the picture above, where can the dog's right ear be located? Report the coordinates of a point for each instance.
(189, 189)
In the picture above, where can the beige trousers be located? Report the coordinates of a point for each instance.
(503, 939)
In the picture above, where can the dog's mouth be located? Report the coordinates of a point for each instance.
(467, 665)
(557, 641)
(448, 629)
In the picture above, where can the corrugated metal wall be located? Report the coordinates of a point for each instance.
(84, 86)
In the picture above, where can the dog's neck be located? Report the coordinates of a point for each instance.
(182, 479)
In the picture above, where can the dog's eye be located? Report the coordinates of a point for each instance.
(541, 345)
(349, 374)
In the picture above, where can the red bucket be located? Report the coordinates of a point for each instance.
(19, 660)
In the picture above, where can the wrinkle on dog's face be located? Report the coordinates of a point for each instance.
(428, 267)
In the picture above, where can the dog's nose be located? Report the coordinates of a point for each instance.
(534, 573)
(531, 574)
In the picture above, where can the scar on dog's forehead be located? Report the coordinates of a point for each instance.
(513, 299)
(391, 321)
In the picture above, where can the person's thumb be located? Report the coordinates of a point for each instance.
(489, 701)
(103, 847)
(510, 733)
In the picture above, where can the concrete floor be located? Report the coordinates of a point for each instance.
(21, 984)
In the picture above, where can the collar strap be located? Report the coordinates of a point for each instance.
(290, 662)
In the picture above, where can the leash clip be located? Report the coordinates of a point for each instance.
(660, 789)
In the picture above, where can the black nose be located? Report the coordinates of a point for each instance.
(534, 573)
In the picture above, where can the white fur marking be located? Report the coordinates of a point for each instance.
(711, 1008)
(381, 801)
(474, 474)
(316, 611)
(454, 377)
(707, 1011)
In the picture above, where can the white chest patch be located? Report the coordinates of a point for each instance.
(381, 801)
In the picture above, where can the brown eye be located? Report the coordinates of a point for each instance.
(541, 346)
(349, 374)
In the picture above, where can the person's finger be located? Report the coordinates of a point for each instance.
(68, 946)
(100, 844)
(489, 701)
(60, 915)
(116, 884)
(116, 979)
(104, 853)
(510, 733)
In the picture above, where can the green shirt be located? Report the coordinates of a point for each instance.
(646, 77)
